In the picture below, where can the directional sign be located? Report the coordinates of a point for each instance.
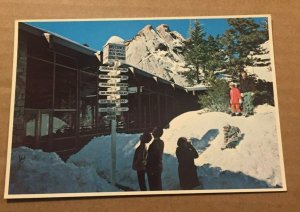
(106, 109)
(107, 101)
(117, 89)
(112, 109)
(113, 52)
(120, 77)
(122, 109)
(114, 73)
(104, 93)
(105, 85)
(113, 97)
(110, 117)
(108, 69)
(113, 80)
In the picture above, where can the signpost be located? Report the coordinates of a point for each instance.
(106, 101)
(113, 53)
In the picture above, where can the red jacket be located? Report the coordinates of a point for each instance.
(235, 96)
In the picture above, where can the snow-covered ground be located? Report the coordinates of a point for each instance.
(254, 163)
(37, 172)
(256, 156)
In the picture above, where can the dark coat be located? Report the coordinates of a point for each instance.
(187, 170)
(140, 158)
(246, 85)
(154, 158)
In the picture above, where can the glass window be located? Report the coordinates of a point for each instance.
(30, 118)
(44, 130)
(63, 123)
(65, 88)
(39, 84)
(88, 102)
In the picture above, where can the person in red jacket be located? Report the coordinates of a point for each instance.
(235, 100)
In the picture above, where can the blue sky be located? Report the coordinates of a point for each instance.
(96, 33)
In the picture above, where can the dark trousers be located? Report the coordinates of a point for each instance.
(154, 180)
(141, 179)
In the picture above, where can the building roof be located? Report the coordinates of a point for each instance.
(55, 38)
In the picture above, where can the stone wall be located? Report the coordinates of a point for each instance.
(19, 126)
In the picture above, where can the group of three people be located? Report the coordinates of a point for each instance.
(150, 162)
(244, 94)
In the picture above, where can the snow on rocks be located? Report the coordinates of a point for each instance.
(159, 52)
(38, 172)
(114, 39)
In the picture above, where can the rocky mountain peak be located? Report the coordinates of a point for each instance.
(158, 51)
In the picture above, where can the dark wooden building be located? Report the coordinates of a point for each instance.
(56, 98)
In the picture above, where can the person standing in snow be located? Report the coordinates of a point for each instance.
(247, 92)
(154, 161)
(187, 170)
(235, 100)
(140, 160)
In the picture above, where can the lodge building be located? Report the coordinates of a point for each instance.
(56, 96)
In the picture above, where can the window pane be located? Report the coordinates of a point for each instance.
(65, 88)
(63, 124)
(88, 102)
(39, 84)
(44, 125)
(30, 123)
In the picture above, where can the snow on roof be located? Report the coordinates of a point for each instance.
(114, 39)
(29, 28)
(199, 87)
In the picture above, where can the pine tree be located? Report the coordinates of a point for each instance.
(215, 59)
(216, 97)
(195, 54)
(242, 39)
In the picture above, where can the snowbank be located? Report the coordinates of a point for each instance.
(256, 155)
(254, 163)
(37, 172)
(97, 154)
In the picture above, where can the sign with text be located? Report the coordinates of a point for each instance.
(120, 77)
(113, 109)
(105, 93)
(108, 69)
(114, 52)
(112, 101)
(110, 117)
(106, 85)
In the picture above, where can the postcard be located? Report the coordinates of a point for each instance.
(144, 106)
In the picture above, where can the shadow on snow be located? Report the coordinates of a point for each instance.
(202, 144)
